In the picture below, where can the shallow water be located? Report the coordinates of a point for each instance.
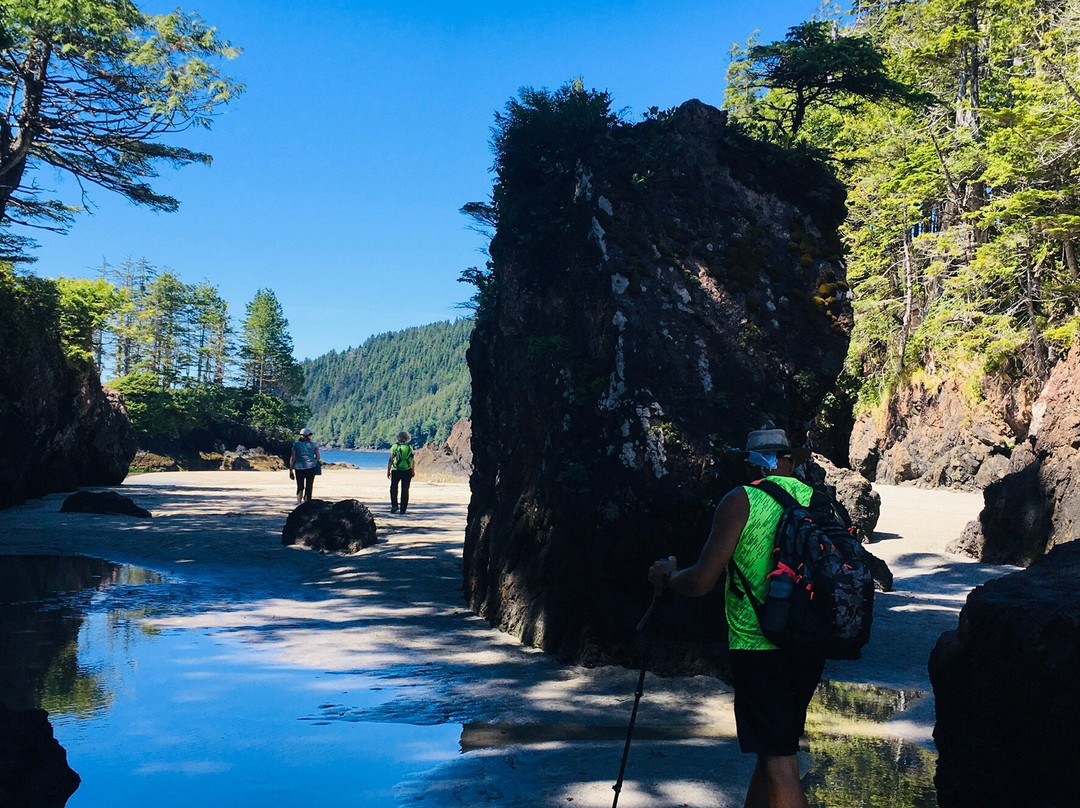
(183, 717)
(853, 771)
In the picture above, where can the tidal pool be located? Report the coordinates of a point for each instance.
(860, 770)
(182, 717)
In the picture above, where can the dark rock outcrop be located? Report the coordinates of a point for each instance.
(934, 435)
(693, 292)
(452, 459)
(850, 489)
(1037, 504)
(339, 527)
(1005, 690)
(61, 428)
(102, 502)
(206, 449)
(34, 770)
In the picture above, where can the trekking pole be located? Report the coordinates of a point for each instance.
(637, 700)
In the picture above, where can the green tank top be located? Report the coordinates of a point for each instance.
(753, 555)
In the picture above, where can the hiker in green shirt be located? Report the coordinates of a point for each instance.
(400, 471)
(772, 685)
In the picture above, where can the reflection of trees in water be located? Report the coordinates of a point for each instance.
(42, 609)
(70, 690)
(860, 701)
(861, 772)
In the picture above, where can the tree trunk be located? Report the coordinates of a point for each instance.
(1070, 260)
(909, 282)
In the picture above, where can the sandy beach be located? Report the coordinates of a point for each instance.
(535, 733)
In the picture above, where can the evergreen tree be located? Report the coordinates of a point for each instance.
(962, 220)
(266, 351)
(90, 88)
(775, 85)
(210, 334)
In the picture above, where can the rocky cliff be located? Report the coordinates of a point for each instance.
(60, 428)
(1005, 690)
(682, 286)
(934, 434)
(1037, 503)
(450, 460)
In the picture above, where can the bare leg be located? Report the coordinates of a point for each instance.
(780, 778)
(757, 795)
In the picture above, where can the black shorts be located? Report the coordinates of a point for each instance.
(772, 691)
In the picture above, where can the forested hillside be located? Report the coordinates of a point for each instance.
(963, 208)
(414, 379)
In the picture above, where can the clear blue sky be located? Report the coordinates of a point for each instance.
(338, 175)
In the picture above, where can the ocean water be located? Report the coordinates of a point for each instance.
(361, 458)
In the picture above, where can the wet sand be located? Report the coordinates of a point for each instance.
(535, 733)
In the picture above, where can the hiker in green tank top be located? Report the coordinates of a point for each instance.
(400, 471)
(773, 686)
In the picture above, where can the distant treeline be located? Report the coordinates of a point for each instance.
(414, 379)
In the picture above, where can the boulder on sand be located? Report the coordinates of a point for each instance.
(330, 527)
(1005, 690)
(103, 502)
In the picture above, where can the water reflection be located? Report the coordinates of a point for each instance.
(42, 604)
(860, 768)
(859, 701)
(177, 717)
(855, 772)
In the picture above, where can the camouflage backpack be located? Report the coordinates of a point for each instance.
(821, 592)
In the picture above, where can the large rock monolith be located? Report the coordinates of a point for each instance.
(60, 428)
(656, 292)
(1005, 690)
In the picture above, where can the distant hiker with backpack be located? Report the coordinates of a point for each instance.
(305, 462)
(773, 684)
(400, 471)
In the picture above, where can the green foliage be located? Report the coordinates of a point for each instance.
(169, 413)
(267, 350)
(962, 218)
(811, 66)
(91, 86)
(29, 308)
(543, 144)
(415, 379)
(85, 307)
(177, 331)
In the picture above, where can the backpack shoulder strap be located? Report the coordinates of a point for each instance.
(776, 492)
(742, 588)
